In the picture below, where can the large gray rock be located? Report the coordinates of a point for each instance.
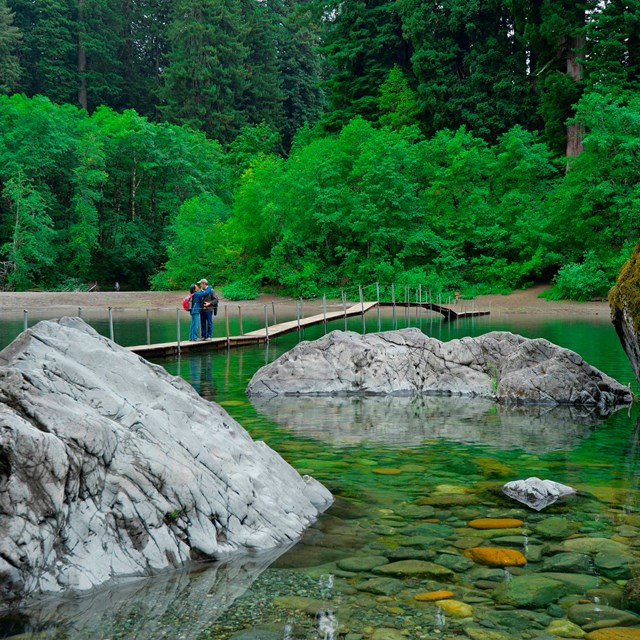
(499, 365)
(109, 467)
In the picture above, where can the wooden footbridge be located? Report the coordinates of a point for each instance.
(268, 332)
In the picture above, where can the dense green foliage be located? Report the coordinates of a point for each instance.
(313, 145)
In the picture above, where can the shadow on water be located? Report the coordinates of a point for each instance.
(170, 605)
(410, 421)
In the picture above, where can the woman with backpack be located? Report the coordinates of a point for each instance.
(196, 301)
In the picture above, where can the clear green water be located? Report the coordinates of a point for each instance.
(407, 480)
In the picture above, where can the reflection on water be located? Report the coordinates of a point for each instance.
(176, 604)
(409, 421)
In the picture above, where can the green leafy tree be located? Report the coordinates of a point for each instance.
(194, 243)
(31, 245)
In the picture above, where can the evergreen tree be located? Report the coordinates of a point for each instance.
(398, 104)
(206, 77)
(613, 47)
(261, 99)
(471, 65)
(10, 38)
(49, 47)
(363, 42)
(144, 54)
(299, 67)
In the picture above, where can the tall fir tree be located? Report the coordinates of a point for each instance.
(10, 38)
(206, 76)
(49, 47)
(612, 62)
(471, 65)
(362, 43)
(300, 67)
(144, 54)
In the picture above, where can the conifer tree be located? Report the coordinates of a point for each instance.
(363, 42)
(10, 37)
(206, 76)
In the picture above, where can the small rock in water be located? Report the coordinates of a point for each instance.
(495, 523)
(536, 493)
(431, 596)
(496, 557)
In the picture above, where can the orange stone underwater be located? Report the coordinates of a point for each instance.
(614, 633)
(495, 523)
(496, 557)
(430, 596)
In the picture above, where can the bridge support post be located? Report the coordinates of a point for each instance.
(324, 311)
(178, 328)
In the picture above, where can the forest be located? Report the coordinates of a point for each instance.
(309, 146)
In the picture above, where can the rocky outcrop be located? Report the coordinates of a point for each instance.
(624, 300)
(109, 467)
(499, 365)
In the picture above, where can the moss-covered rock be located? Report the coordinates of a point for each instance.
(624, 300)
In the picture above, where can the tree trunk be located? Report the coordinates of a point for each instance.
(575, 131)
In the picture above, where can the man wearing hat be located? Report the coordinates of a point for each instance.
(206, 311)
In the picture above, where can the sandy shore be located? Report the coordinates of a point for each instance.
(67, 303)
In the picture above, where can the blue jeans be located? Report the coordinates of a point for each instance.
(206, 318)
(195, 324)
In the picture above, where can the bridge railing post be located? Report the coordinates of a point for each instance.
(240, 320)
(266, 323)
(178, 329)
(148, 327)
(226, 323)
(324, 311)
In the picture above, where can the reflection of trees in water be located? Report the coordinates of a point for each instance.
(177, 604)
(402, 421)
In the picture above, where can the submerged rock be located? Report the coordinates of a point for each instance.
(499, 365)
(109, 467)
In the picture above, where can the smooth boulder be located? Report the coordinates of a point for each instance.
(110, 467)
(498, 365)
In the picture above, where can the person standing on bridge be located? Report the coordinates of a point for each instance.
(196, 305)
(206, 311)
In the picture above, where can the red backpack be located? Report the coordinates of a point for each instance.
(186, 302)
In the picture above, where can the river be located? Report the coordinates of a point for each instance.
(408, 475)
